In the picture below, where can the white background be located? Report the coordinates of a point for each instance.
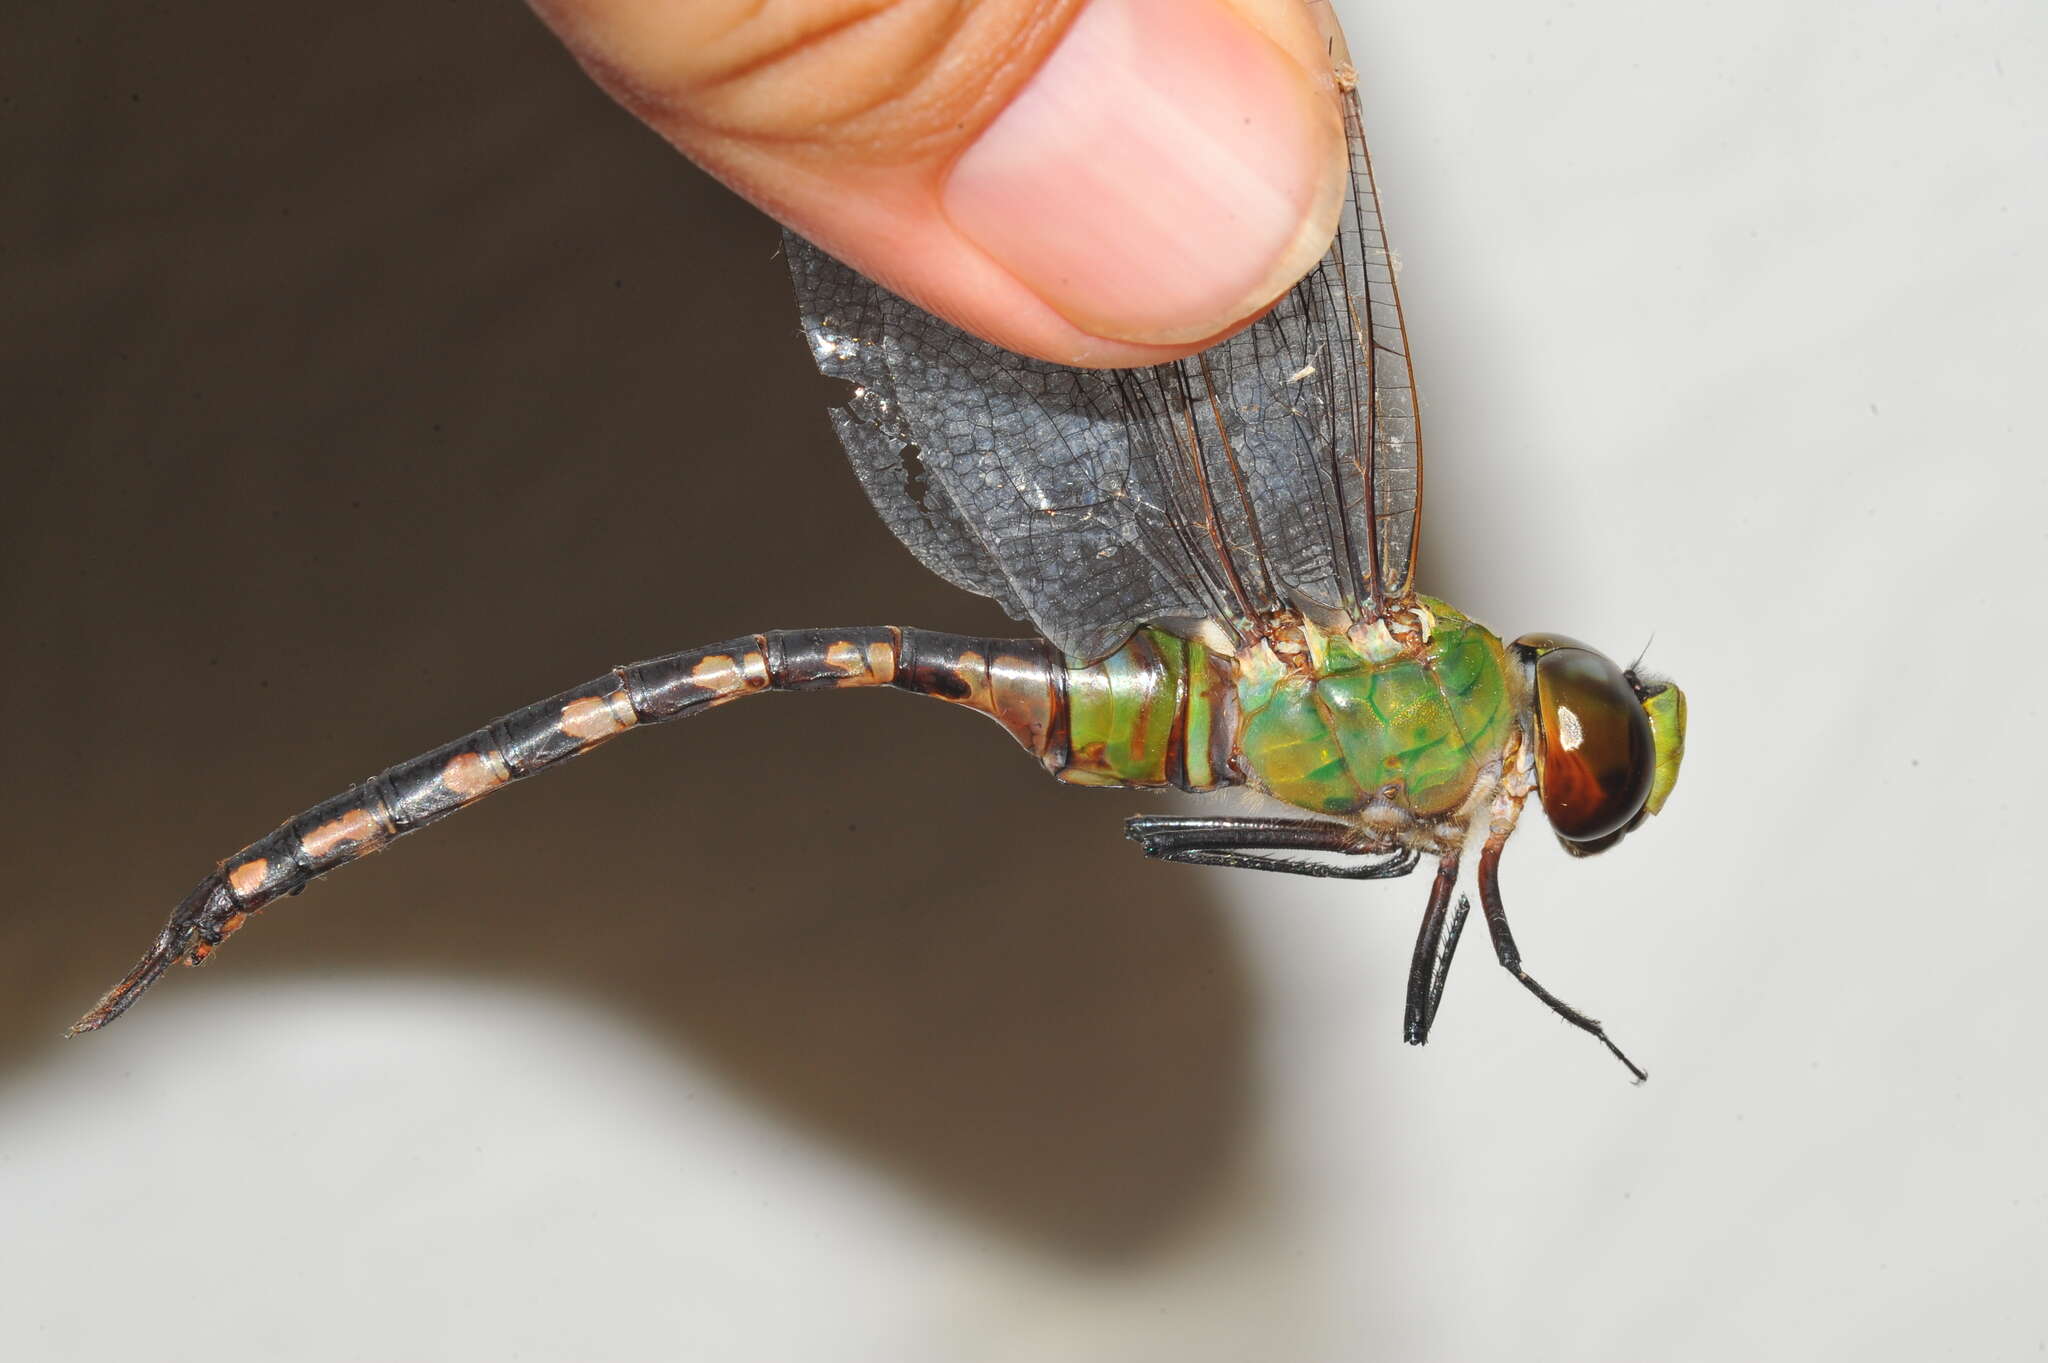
(1728, 319)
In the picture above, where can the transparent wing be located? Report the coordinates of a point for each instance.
(1280, 469)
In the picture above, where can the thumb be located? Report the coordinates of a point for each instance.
(1102, 182)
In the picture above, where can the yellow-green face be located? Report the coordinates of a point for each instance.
(1666, 710)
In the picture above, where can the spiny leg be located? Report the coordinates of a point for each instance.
(1222, 841)
(1434, 947)
(1016, 681)
(1511, 957)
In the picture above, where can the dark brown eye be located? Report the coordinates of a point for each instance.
(1595, 759)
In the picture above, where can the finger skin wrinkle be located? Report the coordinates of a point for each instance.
(874, 81)
(845, 84)
(765, 36)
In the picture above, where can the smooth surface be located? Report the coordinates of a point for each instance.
(341, 438)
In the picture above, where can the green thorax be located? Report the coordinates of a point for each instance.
(1348, 720)
(1408, 717)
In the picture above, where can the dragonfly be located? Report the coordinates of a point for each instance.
(1218, 556)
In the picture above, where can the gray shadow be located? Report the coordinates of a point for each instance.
(374, 385)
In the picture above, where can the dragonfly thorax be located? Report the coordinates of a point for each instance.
(1406, 716)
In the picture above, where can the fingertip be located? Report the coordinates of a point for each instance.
(1112, 183)
(1165, 176)
(922, 258)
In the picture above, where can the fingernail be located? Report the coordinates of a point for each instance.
(1166, 174)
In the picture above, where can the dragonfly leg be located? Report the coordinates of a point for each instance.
(1434, 947)
(1511, 957)
(1227, 842)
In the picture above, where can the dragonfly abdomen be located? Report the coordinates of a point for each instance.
(1135, 718)
(1160, 711)
(1015, 681)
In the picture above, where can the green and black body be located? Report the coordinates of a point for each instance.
(1218, 555)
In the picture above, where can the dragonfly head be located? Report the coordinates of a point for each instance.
(1608, 741)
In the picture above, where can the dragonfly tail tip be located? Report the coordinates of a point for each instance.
(133, 985)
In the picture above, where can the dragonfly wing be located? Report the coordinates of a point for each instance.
(1341, 418)
(1389, 428)
(1006, 475)
(1315, 445)
(1279, 469)
(888, 462)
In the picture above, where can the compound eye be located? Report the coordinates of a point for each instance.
(1595, 759)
